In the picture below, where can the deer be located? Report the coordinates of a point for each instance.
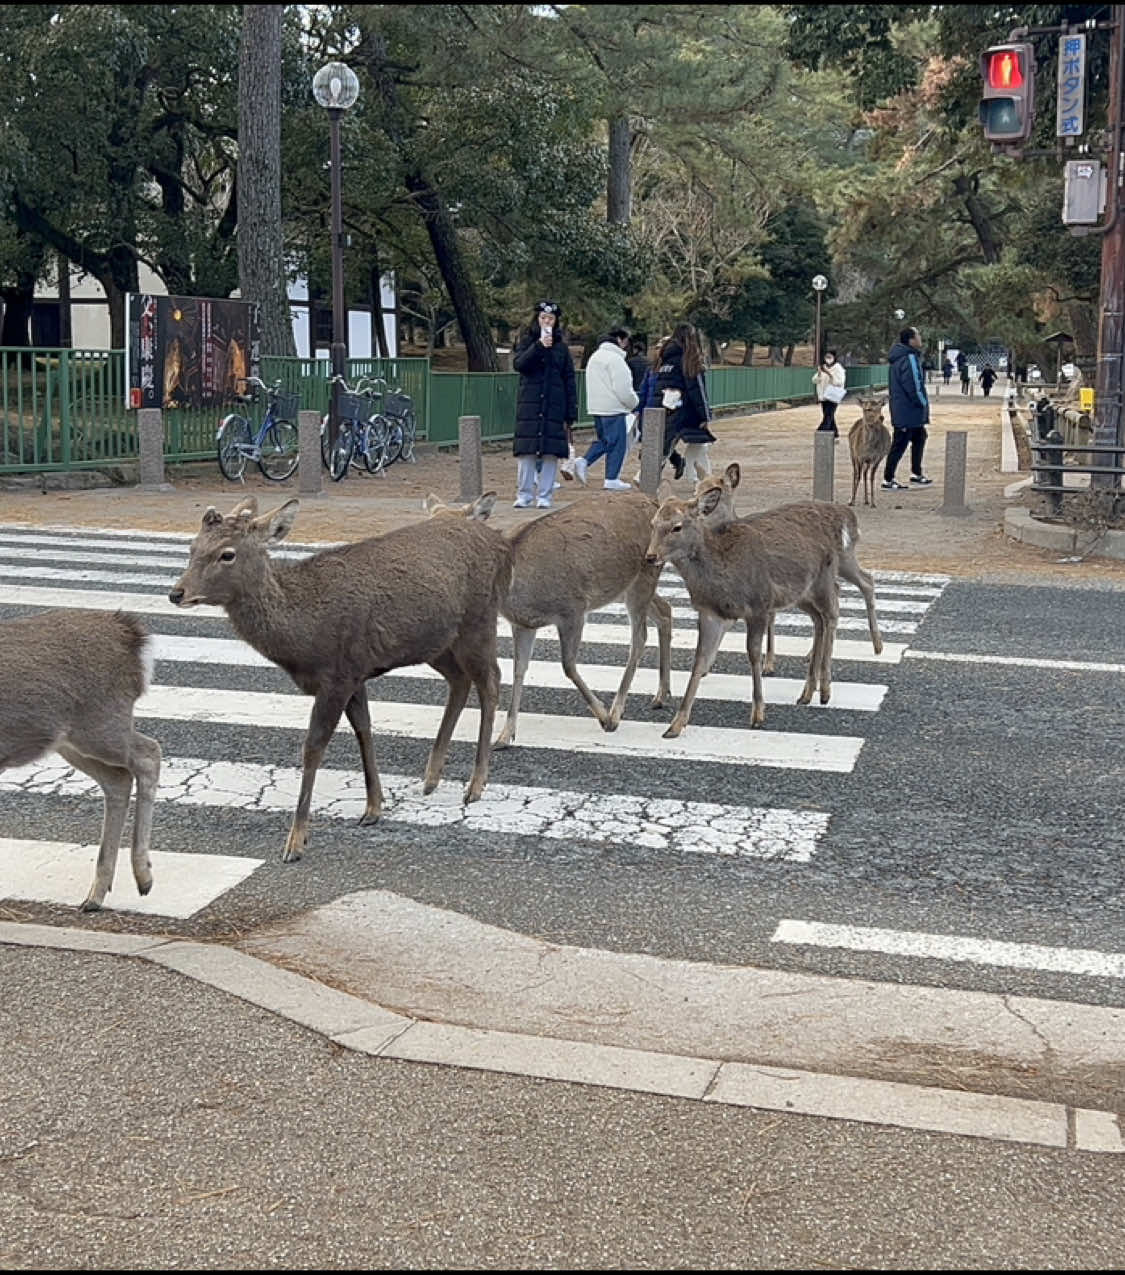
(422, 594)
(869, 441)
(567, 563)
(746, 570)
(836, 523)
(69, 683)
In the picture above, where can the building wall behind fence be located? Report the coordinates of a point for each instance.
(65, 409)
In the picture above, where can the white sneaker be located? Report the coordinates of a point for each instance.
(520, 503)
(580, 469)
(544, 502)
(556, 486)
(616, 484)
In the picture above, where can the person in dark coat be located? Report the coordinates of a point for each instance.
(682, 385)
(546, 405)
(987, 380)
(910, 409)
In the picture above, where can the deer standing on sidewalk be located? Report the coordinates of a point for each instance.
(69, 682)
(422, 594)
(746, 571)
(573, 561)
(869, 441)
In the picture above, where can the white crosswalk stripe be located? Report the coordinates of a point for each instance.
(109, 568)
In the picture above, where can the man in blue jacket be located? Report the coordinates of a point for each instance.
(910, 409)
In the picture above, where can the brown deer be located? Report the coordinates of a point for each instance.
(572, 561)
(869, 441)
(837, 524)
(69, 682)
(422, 594)
(746, 571)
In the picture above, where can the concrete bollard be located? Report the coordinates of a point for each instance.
(150, 449)
(310, 478)
(652, 448)
(824, 466)
(471, 457)
(956, 454)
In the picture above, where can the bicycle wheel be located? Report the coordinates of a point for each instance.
(235, 443)
(340, 456)
(409, 434)
(281, 451)
(396, 437)
(374, 449)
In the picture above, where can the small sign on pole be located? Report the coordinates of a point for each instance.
(1071, 118)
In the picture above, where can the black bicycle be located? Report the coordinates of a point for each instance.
(362, 435)
(397, 409)
(274, 444)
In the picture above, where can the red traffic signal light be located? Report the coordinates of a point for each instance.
(1007, 109)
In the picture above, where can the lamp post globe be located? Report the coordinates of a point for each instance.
(336, 88)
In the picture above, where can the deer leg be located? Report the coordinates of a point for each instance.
(856, 474)
(711, 631)
(851, 571)
(116, 783)
(523, 641)
(755, 630)
(827, 644)
(325, 716)
(770, 662)
(485, 674)
(460, 684)
(661, 612)
(359, 718)
(869, 482)
(570, 639)
(636, 603)
(144, 761)
(813, 671)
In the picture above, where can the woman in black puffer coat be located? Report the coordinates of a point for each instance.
(546, 406)
(682, 381)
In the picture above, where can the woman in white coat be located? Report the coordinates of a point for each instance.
(829, 379)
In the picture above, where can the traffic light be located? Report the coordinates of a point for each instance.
(1008, 107)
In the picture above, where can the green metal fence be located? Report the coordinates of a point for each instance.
(65, 409)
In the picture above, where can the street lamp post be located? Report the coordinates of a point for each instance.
(336, 87)
(819, 283)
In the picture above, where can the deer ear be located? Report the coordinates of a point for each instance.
(432, 503)
(709, 500)
(211, 516)
(483, 506)
(733, 474)
(278, 523)
(247, 505)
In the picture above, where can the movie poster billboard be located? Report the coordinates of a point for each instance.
(189, 351)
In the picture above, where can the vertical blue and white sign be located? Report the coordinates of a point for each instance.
(1071, 118)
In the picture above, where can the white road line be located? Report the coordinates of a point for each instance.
(783, 619)
(607, 634)
(61, 872)
(861, 697)
(945, 947)
(692, 827)
(726, 745)
(1016, 661)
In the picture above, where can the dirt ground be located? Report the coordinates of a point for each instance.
(775, 450)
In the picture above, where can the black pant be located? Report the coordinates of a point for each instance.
(916, 438)
(828, 416)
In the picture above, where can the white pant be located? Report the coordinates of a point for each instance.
(526, 477)
(699, 455)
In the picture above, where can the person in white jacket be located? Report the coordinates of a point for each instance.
(829, 379)
(610, 397)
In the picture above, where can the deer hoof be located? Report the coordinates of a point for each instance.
(90, 905)
(673, 731)
(369, 816)
(472, 793)
(144, 885)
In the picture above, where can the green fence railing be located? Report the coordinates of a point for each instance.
(65, 409)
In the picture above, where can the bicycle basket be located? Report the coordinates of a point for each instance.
(286, 406)
(354, 407)
(397, 404)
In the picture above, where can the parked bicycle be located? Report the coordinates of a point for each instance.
(398, 410)
(361, 439)
(273, 444)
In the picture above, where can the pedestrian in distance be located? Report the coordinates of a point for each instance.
(546, 406)
(829, 380)
(946, 370)
(682, 384)
(987, 380)
(910, 410)
(637, 360)
(963, 370)
(610, 396)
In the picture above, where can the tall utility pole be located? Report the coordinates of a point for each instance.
(1109, 416)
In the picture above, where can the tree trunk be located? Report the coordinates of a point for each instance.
(748, 353)
(261, 250)
(381, 344)
(979, 215)
(66, 327)
(619, 186)
(789, 356)
(471, 318)
(1083, 324)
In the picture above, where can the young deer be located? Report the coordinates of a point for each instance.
(746, 571)
(423, 594)
(69, 681)
(869, 441)
(837, 524)
(572, 561)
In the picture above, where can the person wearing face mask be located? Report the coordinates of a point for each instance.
(829, 379)
(546, 406)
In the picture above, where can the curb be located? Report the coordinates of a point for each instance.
(1020, 525)
(363, 1027)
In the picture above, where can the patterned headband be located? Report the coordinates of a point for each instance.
(547, 307)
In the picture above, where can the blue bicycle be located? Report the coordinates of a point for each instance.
(361, 439)
(274, 444)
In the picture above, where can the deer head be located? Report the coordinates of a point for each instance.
(480, 509)
(228, 556)
(676, 526)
